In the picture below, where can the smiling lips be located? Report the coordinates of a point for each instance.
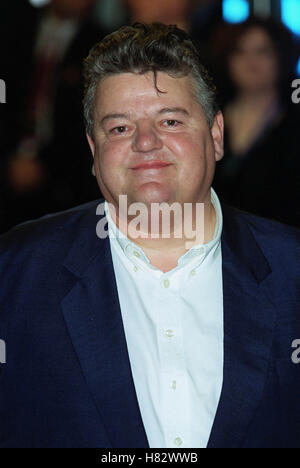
(151, 165)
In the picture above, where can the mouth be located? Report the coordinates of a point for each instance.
(151, 165)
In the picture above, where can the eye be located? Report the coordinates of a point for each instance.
(118, 130)
(171, 123)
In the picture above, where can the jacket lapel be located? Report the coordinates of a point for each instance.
(249, 320)
(92, 314)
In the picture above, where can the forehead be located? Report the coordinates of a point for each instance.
(138, 91)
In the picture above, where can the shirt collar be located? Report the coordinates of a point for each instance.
(196, 255)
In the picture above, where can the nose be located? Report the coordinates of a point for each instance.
(146, 138)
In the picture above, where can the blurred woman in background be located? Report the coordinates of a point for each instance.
(260, 170)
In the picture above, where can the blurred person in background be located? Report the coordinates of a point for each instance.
(200, 18)
(260, 170)
(166, 11)
(42, 52)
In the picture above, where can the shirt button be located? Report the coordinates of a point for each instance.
(173, 384)
(136, 254)
(193, 272)
(166, 283)
(178, 441)
(169, 333)
(135, 268)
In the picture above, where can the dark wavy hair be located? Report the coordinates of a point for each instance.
(143, 48)
(285, 46)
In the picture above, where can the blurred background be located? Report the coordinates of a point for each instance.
(252, 48)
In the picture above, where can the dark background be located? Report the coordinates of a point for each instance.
(56, 175)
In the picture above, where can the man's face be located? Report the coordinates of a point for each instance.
(153, 146)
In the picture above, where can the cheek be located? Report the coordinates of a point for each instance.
(181, 145)
(195, 159)
(110, 155)
(271, 68)
(192, 150)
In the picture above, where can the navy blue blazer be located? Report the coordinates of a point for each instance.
(67, 380)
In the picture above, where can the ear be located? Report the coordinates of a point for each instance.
(91, 143)
(217, 132)
(92, 146)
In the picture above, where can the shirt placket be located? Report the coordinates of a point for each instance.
(175, 395)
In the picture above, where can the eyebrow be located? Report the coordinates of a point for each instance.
(169, 110)
(165, 110)
(114, 116)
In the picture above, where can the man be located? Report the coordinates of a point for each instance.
(142, 340)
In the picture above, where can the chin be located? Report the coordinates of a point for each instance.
(154, 193)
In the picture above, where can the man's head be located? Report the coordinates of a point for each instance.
(149, 99)
(147, 48)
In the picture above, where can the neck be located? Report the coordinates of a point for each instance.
(262, 98)
(164, 252)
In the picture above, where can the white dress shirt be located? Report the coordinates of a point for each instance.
(173, 325)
